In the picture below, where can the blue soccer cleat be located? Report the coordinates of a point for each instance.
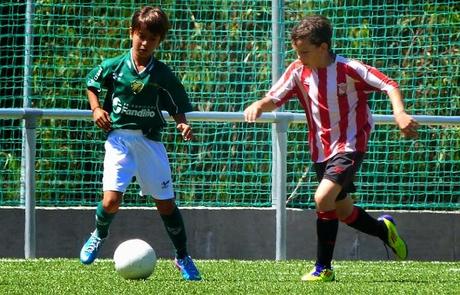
(395, 242)
(91, 248)
(187, 269)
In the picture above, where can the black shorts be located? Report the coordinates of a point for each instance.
(340, 169)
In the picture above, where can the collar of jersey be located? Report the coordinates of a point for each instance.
(133, 68)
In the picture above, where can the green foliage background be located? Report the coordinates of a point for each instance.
(221, 50)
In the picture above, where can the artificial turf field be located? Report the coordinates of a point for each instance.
(68, 276)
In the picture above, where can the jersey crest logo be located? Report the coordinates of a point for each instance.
(137, 86)
(342, 88)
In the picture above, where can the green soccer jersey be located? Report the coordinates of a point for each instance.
(135, 100)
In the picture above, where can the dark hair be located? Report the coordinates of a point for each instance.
(153, 18)
(316, 29)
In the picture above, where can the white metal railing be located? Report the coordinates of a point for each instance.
(281, 121)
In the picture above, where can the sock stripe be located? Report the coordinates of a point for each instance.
(353, 216)
(327, 215)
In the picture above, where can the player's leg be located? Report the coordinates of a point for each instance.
(326, 221)
(154, 177)
(347, 212)
(105, 212)
(174, 225)
(118, 172)
(352, 215)
(344, 207)
(384, 227)
(326, 230)
(359, 219)
(335, 175)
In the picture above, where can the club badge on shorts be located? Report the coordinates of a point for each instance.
(137, 86)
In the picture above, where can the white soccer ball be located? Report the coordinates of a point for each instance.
(134, 259)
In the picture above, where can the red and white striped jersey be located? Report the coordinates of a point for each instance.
(335, 103)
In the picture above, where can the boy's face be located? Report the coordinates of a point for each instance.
(311, 55)
(144, 42)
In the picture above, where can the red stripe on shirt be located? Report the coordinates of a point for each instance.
(285, 78)
(363, 85)
(304, 100)
(327, 124)
(288, 95)
(363, 127)
(382, 77)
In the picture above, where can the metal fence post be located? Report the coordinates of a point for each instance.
(278, 136)
(277, 63)
(28, 142)
(29, 184)
(27, 88)
(280, 147)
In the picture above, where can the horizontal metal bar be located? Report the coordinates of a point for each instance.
(421, 119)
(12, 113)
(387, 119)
(269, 117)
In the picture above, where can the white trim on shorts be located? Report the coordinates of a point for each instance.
(129, 153)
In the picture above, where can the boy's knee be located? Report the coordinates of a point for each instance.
(110, 206)
(325, 202)
(111, 202)
(319, 199)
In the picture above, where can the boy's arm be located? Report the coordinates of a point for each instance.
(100, 116)
(255, 110)
(183, 126)
(405, 122)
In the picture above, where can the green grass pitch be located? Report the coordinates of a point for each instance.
(68, 276)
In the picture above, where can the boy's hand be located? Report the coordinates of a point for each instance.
(255, 110)
(252, 112)
(102, 119)
(186, 131)
(407, 124)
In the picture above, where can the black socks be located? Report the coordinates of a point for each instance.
(327, 226)
(362, 221)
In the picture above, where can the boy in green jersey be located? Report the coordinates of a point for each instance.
(139, 87)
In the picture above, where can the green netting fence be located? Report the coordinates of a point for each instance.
(222, 52)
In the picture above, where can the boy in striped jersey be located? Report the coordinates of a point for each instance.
(139, 87)
(333, 92)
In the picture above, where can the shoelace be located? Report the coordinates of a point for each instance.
(95, 242)
(386, 249)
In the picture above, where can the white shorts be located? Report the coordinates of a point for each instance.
(129, 153)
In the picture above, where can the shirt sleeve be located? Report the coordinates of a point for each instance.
(97, 77)
(174, 98)
(371, 76)
(286, 86)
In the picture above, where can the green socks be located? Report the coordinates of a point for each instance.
(173, 223)
(103, 221)
(174, 226)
